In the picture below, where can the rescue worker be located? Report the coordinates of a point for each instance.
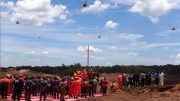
(4, 87)
(91, 87)
(91, 74)
(84, 88)
(56, 88)
(71, 87)
(28, 89)
(84, 74)
(124, 82)
(104, 86)
(120, 81)
(16, 89)
(43, 89)
(62, 90)
(77, 87)
(21, 88)
(113, 87)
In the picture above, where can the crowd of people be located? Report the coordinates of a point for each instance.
(83, 83)
(140, 79)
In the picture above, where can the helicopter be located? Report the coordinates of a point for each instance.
(173, 29)
(17, 22)
(84, 4)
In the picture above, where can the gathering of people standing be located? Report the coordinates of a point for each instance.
(82, 83)
(126, 81)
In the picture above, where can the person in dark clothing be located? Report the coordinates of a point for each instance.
(62, 90)
(146, 79)
(142, 76)
(43, 89)
(55, 87)
(157, 78)
(98, 75)
(130, 78)
(4, 88)
(35, 86)
(137, 81)
(17, 87)
(149, 78)
(28, 89)
(91, 88)
(84, 88)
(21, 81)
(0, 89)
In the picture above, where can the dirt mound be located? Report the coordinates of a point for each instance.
(149, 89)
(176, 87)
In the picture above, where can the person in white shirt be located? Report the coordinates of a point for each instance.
(161, 79)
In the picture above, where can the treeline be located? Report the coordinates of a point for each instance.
(69, 69)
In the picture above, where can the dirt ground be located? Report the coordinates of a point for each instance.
(124, 96)
(154, 92)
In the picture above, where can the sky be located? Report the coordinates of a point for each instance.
(56, 32)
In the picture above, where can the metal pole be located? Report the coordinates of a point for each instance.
(88, 56)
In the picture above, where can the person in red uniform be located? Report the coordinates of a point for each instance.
(77, 87)
(91, 74)
(105, 83)
(120, 81)
(84, 74)
(71, 87)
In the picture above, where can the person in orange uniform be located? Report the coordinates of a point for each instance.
(120, 81)
(77, 87)
(114, 87)
(5, 86)
(104, 83)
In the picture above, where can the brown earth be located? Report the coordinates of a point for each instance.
(169, 92)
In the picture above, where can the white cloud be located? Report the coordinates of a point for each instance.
(37, 12)
(8, 4)
(45, 52)
(32, 52)
(111, 24)
(132, 54)
(39, 52)
(177, 57)
(153, 45)
(125, 2)
(138, 44)
(98, 6)
(109, 64)
(152, 8)
(91, 48)
(130, 36)
(113, 48)
(79, 34)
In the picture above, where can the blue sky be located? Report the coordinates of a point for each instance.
(132, 32)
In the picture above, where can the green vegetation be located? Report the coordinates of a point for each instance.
(69, 69)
